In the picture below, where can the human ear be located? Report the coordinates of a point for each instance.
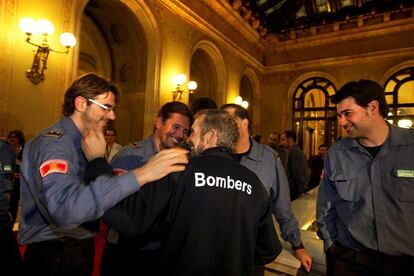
(158, 122)
(80, 104)
(373, 106)
(212, 137)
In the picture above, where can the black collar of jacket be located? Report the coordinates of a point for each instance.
(220, 151)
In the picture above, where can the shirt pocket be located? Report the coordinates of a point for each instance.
(344, 185)
(404, 184)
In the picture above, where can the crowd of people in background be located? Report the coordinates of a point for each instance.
(209, 214)
(303, 175)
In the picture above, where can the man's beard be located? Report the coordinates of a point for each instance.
(89, 124)
(197, 150)
(352, 131)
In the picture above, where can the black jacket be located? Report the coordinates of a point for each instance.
(213, 219)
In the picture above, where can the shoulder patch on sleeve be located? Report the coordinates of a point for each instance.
(54, 166)
(54, 134)
(118, 171)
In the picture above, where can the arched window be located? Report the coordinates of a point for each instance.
(399, 93)
(314, 117)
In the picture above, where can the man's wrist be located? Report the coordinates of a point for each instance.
(300, 246)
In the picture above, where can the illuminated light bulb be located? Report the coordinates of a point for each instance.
(44, 26)
(245, 104)
(238, 100)
(180, 79)
(27, 25)
(67, 39)
(192, 85)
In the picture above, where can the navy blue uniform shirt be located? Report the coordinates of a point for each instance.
(52, 176)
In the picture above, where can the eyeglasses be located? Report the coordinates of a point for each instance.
(104, 107)
(12, 136)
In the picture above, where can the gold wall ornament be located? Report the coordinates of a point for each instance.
(179, 81)
(45, 28)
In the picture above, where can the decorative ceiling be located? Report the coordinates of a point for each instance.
(280, 16)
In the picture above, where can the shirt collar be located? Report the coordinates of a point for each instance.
(72, 131)
(396, 137)
(400, 136)
(255, 150)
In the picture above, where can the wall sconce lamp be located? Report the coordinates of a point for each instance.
(45, 28)
(239, 101)
(179, 80)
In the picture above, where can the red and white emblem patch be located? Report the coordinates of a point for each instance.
(54, 166)
(119, 171)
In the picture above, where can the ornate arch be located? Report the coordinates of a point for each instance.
(72, 20)
(257, 97)
(214, 53)
(396, 68)
(303, 77)
(152, 91)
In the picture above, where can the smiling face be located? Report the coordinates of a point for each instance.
(171, 132)
(97, 116)
(355, 119)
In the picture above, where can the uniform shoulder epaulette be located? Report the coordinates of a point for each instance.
(54, 134)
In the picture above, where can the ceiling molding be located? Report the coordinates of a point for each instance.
(344, 60)
(198, 22)
(364, 32)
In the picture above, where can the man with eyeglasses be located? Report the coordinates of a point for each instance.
(61, 189)
(171, 127)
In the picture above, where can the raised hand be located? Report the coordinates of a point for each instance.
(162, 164)
(93, 143)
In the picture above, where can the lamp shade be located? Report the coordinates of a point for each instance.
(67, 39)
(27, 25)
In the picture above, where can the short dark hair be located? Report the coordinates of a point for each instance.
(290, 134)
(223, 123)
(19, 135)
(363, 91)
(322, 145)
(257, 138)
(109, 128)
(174, 107)
(203, 103)
(239, 111)
(87, 86)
